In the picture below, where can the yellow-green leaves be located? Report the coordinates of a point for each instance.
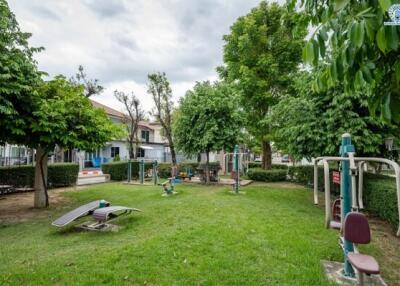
(357, 33)
(385, 4)
(380, 39)
(340, 4)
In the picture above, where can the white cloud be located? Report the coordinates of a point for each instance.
(119, 41)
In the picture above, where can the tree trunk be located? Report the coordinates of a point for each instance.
(41, 199)
(173, 154)
(267, 155)
(207, 167)
(131, 150)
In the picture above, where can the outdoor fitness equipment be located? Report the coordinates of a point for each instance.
(142, 170)
(240, 164)
(168, 186)
(350, 203)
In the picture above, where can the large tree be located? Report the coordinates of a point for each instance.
(261, 53)
(159, 88)
(41, 114)
(308, 124)
(356, 50)
(64, 117)
(208, 119)
(19, 78)
(133, 115)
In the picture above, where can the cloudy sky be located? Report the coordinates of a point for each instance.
(120, 41)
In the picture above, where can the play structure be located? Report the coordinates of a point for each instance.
(344, 215)
(169, 187)
(101, 211)
(151, 174)
(176, 178)
(240, 165)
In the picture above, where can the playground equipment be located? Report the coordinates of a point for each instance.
(169, 186)
(350, 203)
(102, 212)
(154, 170)
(240, 165)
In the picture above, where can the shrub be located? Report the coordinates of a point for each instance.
(253, 165)
(304, 175)
(212, 166)
(380, 197)
(164, 170)
(279, 166)
(59, 175)
(22, 176)
(273, 175)
(62, 174)
(118, 171)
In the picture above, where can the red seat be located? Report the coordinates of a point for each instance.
(363, 263)
(356, 230)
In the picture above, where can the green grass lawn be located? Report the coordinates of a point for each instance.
(202, 236)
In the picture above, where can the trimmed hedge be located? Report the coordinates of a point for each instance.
(305, 175)
(62, 174)
(274, 175)
(118, 171)
(59, 175)
(253, 165)
(380, 197)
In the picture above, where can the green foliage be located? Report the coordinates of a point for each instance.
(274, 175)
(261, 53)
(65, 117)
(160, 90)
(305, 175)
(19, 78)
(380, 197)
(363, 52)
(310, 124)
(253, 165)
(62, 174)
(59, 175)
(22, 176)
(208, 119)
(118, 171)
(211, 166)
(164, 170)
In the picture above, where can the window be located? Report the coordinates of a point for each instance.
(114, 152)
(140, 153)
(145, 136)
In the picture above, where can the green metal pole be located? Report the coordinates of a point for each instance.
(346, 198)
(129, 170)
(236, 167)
(155, 175)
(141, 171)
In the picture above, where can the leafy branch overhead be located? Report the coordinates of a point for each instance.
(356, 50)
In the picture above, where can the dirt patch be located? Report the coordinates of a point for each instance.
(19, 207)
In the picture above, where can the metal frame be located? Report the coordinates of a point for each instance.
(141, 170)
(360, 162)
(350, 167)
